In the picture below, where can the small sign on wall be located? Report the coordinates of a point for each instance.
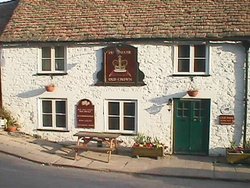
(226, 119)
(85, 114)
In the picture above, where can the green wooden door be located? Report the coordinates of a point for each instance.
(191, 126)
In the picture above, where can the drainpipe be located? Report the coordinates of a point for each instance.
(246, 44)
(1, 53)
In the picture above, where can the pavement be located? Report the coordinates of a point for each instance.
(60, 154)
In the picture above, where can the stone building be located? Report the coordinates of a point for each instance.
(126, 66)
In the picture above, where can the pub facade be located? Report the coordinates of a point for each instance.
(128, 86)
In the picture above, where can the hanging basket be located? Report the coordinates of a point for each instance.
(192, 93)
(50, 88)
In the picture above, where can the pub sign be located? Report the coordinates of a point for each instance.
(120, 66)
(226, 119)
(85, 114)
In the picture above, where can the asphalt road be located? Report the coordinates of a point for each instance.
(18, 173)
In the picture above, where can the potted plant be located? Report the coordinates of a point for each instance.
(193, 92)
(237, 154)
(11, 122)
(144, 147)
(50, 87)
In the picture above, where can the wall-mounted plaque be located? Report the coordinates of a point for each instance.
(85, 114)
(226, 119)
(120, 67)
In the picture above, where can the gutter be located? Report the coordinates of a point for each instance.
(246, 44)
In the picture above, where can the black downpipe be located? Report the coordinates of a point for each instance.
(246, 44)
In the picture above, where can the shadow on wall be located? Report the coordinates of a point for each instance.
(31, 93)
(239, 97)
(160, 102)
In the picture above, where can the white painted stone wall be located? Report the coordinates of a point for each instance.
(22, 88)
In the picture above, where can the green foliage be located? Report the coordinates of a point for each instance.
(11, 121)
(143, 140)
(140, 139)
(247, 145)
(233, 145)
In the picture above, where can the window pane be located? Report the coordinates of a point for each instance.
(183, 65)
(59, 64)
(184, 51)
(129, 123)
(47, 120)
(60, 121)
(59, 52)
(46, 52)
(199, 65)
(114, 108)
(60, 107)
(129, 109)
(200, 51)
(114, 123)
(47, 107)
(46, 65)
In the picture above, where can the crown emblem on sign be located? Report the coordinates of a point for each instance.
(120, 65)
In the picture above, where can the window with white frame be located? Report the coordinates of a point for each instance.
(53, 60)
(53, 114)
(191, 59)
(121, 116)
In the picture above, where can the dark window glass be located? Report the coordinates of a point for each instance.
(61, 107)
(183, 65)
(183, 51)
(46, 52)
(129, 123)
(59, 64)
(47, 120)
(47, 106)
(60, 121)
(114, 108)
(129, 109)
(114, 123)
(59, 52)
(200, 51)
(46, 64)
(199, 65)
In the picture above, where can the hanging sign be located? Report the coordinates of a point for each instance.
(226, 119)
(85, 114)
(120, 64)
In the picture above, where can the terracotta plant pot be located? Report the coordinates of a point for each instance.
(192, 93)
(11, 129)
(50, 88)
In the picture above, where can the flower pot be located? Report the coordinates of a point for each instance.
(154, 152)
(50, 88)
(237, 157)
(192, 93)
(11, 129)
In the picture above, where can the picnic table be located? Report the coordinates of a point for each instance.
(85, 138)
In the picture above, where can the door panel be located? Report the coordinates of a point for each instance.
(183, 119)
(191, 126)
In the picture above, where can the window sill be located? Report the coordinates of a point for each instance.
(53, 130)
(122, 133)
(51, 74)
(186, 75)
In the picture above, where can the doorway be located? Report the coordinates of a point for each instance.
(191, 126)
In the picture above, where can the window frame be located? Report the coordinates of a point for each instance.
(191, 60)
(52, 62)
(40, 115)
(121, 116)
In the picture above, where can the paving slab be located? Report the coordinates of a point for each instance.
(46, 152)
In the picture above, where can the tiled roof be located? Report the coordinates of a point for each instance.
(6, 10)
(91, 20)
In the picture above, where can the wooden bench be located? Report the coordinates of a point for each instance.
(84, 138)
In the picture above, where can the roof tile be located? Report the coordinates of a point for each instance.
(84, 20)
